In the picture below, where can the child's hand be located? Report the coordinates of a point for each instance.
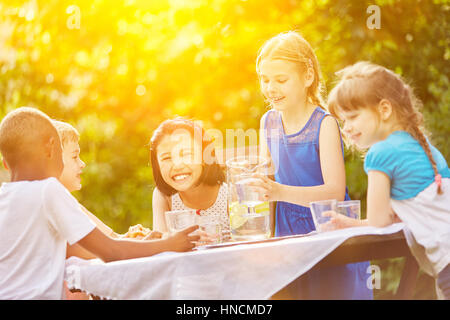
(269, 189)
(206, 238)
(182, 240)
(338, 221)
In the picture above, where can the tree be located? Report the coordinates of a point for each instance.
(115, 70)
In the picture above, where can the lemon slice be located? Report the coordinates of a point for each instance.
(262, 208)
(237, 212)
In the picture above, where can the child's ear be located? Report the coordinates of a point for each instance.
(51, 147)
(48, 147)
(309, 77)
(385, 109)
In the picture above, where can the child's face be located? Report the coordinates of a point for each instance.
(282, 84)
(180, 161)
(361, 126)
(73, 166)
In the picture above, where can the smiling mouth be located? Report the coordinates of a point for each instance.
(276, 99)
(181, 177)
(355, 136)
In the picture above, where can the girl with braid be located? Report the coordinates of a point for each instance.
(408, 177)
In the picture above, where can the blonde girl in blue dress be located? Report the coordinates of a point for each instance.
(304, 143)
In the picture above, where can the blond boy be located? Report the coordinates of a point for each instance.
(73, 167)
(71, 179)
(38, 216)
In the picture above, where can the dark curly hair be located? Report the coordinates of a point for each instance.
(212, 173)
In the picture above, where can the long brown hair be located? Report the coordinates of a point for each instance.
(364, 85)
(291, 46)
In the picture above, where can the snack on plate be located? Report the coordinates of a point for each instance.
(137, 232)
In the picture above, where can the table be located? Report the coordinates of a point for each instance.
(372, 247)
(245, 271)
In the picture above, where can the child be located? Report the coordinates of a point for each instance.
(407, 176)
(305, 146)
(186, 176)
(71, 179)
(71, 175)
(39, 216)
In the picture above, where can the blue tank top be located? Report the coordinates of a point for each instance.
(296, 159)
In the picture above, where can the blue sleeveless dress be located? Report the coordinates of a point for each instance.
(297, 162)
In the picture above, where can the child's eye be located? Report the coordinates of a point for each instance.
(282, 80)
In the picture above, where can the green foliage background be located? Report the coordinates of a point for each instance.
(132, 64)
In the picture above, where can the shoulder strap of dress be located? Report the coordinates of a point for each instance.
(176, 201)
(270, 119)
(318, 115)
(324, 114)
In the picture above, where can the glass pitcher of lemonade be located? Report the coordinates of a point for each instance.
(248, 212)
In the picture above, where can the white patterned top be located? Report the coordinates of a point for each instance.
(217, 210)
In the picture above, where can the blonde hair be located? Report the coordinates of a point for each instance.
(364, 85)
(22, 134)
(67, 133)
(291, 46)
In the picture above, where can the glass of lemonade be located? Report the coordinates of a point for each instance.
(248, 212)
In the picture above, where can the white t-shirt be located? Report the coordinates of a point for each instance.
(37, 219)
(427, 226)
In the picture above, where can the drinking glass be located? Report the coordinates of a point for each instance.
(178, 220)
(211, 228)
(350, 208)
(317, 210)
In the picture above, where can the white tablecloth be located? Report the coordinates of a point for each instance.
(250, 271)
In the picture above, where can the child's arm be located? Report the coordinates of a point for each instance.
(333, 172)
(110, 232)
(76, 250)
(99, 223)
(79, 251)
(379, 210)
(263, 148)
(109, 249)
(160, 205)
(264, 153)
